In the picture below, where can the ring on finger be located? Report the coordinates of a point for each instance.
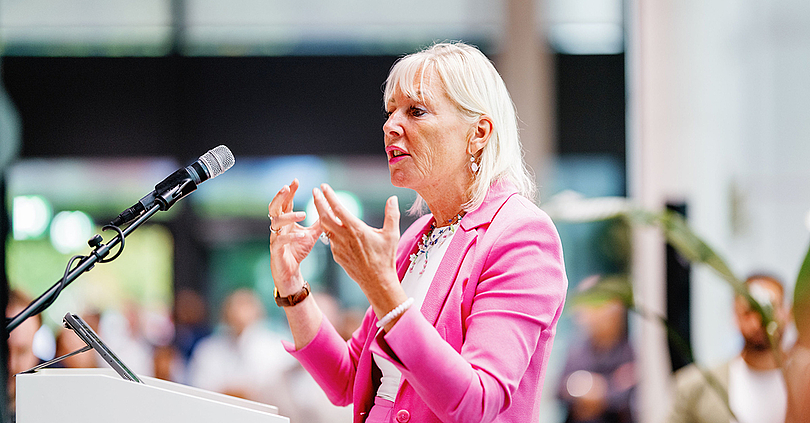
(272, 229)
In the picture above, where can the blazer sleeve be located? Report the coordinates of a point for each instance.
(519, 290)
(331, 361)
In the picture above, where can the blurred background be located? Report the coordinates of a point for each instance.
(693, 105)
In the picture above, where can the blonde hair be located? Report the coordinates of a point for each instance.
(471, 82)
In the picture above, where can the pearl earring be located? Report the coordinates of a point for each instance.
(473, 164)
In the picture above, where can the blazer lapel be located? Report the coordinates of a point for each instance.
(462, 241)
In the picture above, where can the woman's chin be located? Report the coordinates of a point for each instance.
(399, 179)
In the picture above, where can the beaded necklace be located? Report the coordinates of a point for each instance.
(433, 236)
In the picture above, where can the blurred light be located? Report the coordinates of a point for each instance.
(349, 200)
(585, 26)
(30, 216)
(70, 231)
(587, 38)
(44, 344)
(579, 383)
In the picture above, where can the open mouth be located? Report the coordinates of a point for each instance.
(395, 154)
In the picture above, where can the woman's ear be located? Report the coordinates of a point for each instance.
(480, 136)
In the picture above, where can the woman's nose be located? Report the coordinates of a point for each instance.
(392, 125)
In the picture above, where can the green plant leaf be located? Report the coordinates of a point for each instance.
(608, 288)
(801, 299)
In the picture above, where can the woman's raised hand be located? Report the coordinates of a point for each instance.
(290, 242)
(367, 254)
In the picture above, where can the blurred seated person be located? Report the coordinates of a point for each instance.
(167, 363)
(122, 329)
(21, 355)
(190, 325)
(242, 358)
(598, 381)
(752, 385)
(67, 342)
(311, 404)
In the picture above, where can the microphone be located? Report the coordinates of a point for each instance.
(180, 183)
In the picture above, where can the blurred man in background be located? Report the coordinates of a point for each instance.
(750, 385)
(243, 358)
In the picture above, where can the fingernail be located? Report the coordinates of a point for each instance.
(300, 215)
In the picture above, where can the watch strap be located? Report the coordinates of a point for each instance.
(291, 300)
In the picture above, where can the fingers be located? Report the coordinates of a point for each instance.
(328, 205)
(391, 222)
(277, 223)
(283, 201)
(288, 205)
(280, 210)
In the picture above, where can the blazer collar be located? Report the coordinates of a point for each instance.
(497, 195)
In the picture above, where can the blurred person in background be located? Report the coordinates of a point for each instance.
(751, 384)
(311, 404)
(243, 358)
(598, 382)
(122, 329)
(21, 355)
(167, 363)
(67, 342)
(190, 324)
(797, 364)
(465, 304)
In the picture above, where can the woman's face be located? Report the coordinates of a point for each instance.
(426, 142)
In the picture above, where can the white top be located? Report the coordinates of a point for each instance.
(416, 283)
(756, 396)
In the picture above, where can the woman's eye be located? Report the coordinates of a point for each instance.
(416, 111)
(387, 114)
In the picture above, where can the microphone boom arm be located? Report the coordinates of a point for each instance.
(85, 265)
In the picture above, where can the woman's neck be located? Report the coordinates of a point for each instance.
(446, 200)
(445, 212)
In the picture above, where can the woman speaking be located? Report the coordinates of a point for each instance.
(465, 303)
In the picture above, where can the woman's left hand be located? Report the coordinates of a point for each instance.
(367, 254)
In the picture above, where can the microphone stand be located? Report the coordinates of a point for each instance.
(99, 252)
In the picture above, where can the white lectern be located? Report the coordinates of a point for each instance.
(102, 396)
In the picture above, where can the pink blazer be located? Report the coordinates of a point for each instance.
(477, 350)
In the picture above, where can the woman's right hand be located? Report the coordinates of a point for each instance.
(290, 242)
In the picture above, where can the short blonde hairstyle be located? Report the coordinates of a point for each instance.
(471, 82)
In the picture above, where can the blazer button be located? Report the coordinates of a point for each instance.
(403, 416)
